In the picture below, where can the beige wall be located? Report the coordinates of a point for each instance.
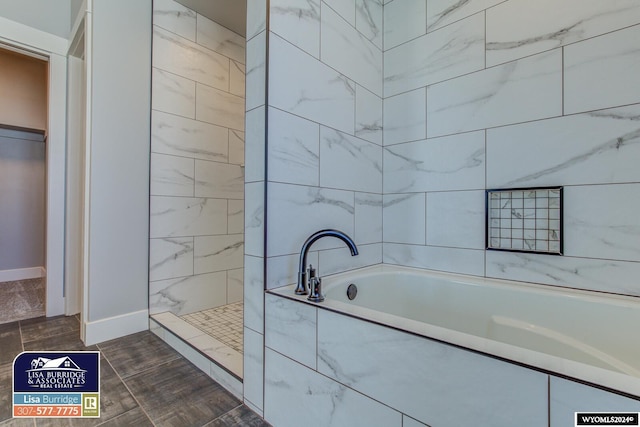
(23, 91)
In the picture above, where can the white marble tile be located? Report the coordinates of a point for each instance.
(254, 218)
(176, 18)
(253, 367)
(454, 162)
(176, 325)
(349, 163)
(255, 78)
(600, 72)
(192, 355)
(404, 21)
(368, 116)
(345, 8)
(453, 260)
(405, 117)
(170, 258)
(494, 392)
(155, 328)
(404, 218)
(218, 253)
(254, 152)
(188, 294)
(582, 273)
(171, 175)
(304, 210)
(343, 48)
(187, 59)
(456, 219)
(304, 86)
(173, 94)
(254, 293)
(219, 108)
(235, 218)
(237, 73)
(235, 280)
(220, 39)
(290, 329)
(220, 352)
(219, 180)
(226, 380)
(298, 22)
(445, 12)
(369, 19)
(236, 147)
(568, 397)
(188, 138)
(494, 96)
(333, 261)
(591, 148)
(451, 52)
(293, 149)
(602, 221)
(319, 402)
(519, 28)
(283, 270)
(368, 218)
(256, 17)
(185, 216)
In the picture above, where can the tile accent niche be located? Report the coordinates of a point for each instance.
(197, 163)
(525, 219)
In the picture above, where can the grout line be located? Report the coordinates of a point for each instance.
(126, 385)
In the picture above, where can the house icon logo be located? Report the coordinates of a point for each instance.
(64, 363)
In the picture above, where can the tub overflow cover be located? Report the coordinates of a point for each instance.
(352, 291)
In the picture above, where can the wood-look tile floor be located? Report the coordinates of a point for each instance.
(143, 381)
(22, 299)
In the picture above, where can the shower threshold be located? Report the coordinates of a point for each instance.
(220, 361)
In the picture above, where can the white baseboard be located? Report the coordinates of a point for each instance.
(22, 274)
(115, 327)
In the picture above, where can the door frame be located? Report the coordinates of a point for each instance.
(33, 42)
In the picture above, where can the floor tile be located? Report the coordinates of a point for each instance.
(5, 396)
(18, 422)
(135, 417)
(43, 327)
(136, 353)
(10, 342)
(171, 400)
(69, 341)
(240, 416)
(22, 299)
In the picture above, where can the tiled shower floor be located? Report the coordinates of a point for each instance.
(222, 323)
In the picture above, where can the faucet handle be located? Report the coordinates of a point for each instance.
(312, 272)
(315, 286)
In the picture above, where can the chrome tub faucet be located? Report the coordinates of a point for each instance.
(307, 279)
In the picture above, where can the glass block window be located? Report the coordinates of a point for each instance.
(525, 220)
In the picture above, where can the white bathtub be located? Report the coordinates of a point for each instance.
(588, 336)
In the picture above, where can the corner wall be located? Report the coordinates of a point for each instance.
(501, 94)
(116, 296)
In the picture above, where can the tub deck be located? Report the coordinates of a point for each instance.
(583, 335)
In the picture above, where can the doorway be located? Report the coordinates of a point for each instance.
(23, 174)
(197, 177)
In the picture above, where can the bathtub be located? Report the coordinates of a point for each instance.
(587, 336)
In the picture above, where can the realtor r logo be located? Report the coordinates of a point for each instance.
(90, 405)
(90, 402)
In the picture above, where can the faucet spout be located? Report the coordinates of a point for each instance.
(302, 288)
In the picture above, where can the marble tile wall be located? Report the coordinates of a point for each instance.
(487, 94)
(254, 213)
(325, 132)
(197, 162)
